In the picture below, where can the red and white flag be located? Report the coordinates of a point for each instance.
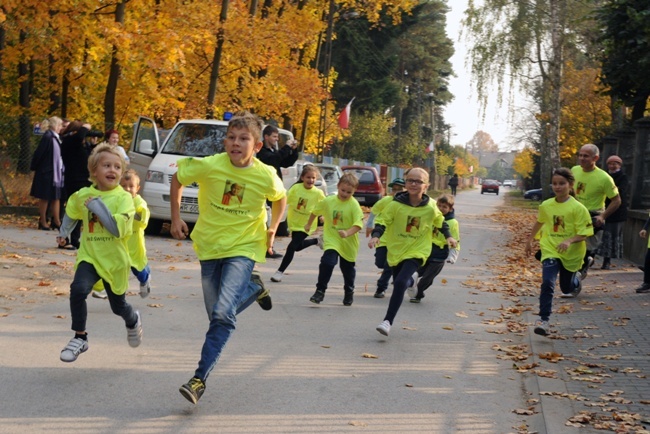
(429, 148)
(344, 116)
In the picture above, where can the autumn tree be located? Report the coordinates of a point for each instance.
(481, 142)
(523, 163)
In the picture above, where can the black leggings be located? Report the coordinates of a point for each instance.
(298, 242)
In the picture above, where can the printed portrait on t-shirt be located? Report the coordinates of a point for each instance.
(337, 217)
(558, 222)
(92, 221)
(413, 224)
(580, 187)
(302, 203)
(233, 194)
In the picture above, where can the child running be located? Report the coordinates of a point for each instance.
(440, 251)
(302, 198)
(343, 219)
(562, 246)
(380, 252)
(137, 250)
(228, 239)
(106, 211)
(408, 245)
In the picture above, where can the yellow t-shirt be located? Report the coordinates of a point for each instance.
(561, 221)
(409, 230)
(300, 203)
(340, 215)
(137, 248)
(108, 254)
(591, 188)
(377, 208)
(232, 205)
(440, 240)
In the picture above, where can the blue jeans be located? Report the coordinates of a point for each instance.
(381, 262)
(227, 290)
(569, 280)
(82, 284)
(401, 279)
(143, 275)
(326, 267)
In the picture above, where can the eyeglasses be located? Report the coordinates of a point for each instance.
(415, 181)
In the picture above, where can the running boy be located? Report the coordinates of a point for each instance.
(380, 252)
(106, 211)
(228, 239)
(407, 251)
(302, 198)
(562, 246)
(343, 219)
(137, 250)
(440, 251)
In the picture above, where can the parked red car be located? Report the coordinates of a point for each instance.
(490, 186)
(370, 189)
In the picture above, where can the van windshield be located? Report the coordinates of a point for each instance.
(196, 140)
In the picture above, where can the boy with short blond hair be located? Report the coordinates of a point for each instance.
(343, 218)
(228, 238)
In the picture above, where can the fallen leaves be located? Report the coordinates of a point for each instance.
(369, 356)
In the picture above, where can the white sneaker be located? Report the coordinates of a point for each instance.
(384, 327)
(542, 328)
(71, 351)
(277, 276)
(145, 288)
(412, 290)
(100, 294)
(320, 241)
(134, 335)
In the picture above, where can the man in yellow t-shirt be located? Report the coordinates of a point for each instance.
(343, 218)
(592, 186)
(228, 238)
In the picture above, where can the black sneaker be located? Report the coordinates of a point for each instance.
(380, 294)
(193, 390)
(264, 296)
(317, 297)
(274, 255)
(585, 269)
(348, 298)
(643, 289)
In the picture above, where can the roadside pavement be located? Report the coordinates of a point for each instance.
(600, 352)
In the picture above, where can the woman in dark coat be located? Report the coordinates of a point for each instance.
(611, 245)
(47, 185)
(453, 184)
(75, 157)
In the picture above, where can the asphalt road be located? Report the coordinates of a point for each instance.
(298, 368)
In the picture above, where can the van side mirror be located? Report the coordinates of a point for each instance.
(146, 147)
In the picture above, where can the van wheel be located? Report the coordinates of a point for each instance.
(153, 227)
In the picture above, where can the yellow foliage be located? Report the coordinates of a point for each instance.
(523, 163)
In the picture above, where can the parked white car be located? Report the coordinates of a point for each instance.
(331, 173)
(155, 162)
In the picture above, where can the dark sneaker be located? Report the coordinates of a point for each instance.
(193, 390)
(264, 296)
(643, 289)
(416, 299)
(542, 328)
(380, 294)
(348, 298)
(585, 269)
(71, 351)
(274, 255)
(134, 335)
(317, 297)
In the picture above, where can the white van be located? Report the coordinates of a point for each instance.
(155, 162)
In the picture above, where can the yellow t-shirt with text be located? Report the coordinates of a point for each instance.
(137, 248)
(591, 188)
(561, 221)
(454, 228)
(409, 230)
(107, 253)
(300, 203)
(340, 215)
(232, 205)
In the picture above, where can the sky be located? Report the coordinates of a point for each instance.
(463, 112)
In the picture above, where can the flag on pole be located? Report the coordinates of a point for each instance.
(344, 116)
(429, 148)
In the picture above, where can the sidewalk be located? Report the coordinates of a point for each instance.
(602, 346)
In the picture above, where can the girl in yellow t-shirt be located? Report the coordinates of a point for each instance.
(301, 200)
(565, 224)
(107, 213)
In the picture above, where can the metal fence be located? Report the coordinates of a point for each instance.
(17, 144)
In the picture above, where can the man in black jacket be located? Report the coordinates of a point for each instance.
(271, 155)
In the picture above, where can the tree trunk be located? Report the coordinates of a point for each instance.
(113, 75)
(216, 61)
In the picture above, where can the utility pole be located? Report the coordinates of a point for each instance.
(322, 128)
